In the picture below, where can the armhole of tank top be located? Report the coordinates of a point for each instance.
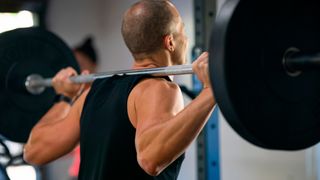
(95, 84)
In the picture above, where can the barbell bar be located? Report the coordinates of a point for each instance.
(294, 62)
(36, 84)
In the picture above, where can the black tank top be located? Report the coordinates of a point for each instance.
(107, 135)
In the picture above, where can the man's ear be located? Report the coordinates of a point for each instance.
(169, 43)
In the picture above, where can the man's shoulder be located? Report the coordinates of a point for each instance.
(157, 84)
(156, 89)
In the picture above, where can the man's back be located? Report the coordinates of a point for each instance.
(108, 137)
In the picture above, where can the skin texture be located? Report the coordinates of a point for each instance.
(164, 127)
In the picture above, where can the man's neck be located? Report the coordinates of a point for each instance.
(151, 63)
(152, 60)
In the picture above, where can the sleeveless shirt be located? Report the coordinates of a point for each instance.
(107, 137)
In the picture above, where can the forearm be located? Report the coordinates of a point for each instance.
(163, 143)
(41, 147)
(43, 133)
(181, 130)
(58, 131)
(56, 113)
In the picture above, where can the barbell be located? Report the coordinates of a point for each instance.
(36, 84)
(263, 65)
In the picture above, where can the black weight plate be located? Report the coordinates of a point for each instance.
(258, 98)
(23, 52)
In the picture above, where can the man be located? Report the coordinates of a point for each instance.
(132, 127)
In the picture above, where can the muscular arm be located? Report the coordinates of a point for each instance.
(56, 134)
(164, 128)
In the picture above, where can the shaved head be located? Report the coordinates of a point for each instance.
(146, 23)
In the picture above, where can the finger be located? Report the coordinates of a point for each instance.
(58, 75)
(66, 74)
(203, 56)
(71, 72)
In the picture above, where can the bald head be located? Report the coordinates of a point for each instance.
(146, 23)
